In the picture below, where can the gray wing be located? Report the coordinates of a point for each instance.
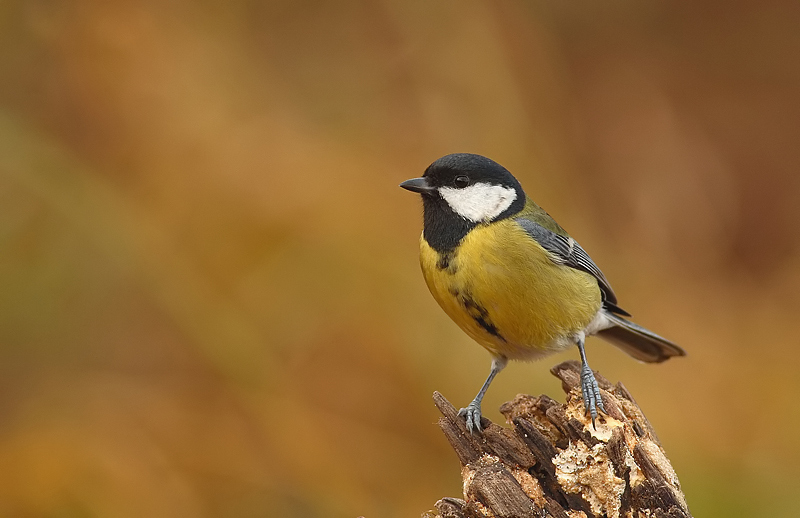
(567, 251)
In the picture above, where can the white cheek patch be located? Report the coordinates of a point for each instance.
(479, 202)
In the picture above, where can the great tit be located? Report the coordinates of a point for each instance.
(512, 278)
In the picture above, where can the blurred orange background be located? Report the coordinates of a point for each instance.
(211, 301)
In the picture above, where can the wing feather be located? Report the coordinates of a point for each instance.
(565, 250)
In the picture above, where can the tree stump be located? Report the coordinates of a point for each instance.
(553, 463)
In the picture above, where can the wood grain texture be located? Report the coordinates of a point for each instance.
(552, 463)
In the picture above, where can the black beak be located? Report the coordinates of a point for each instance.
(419, 185)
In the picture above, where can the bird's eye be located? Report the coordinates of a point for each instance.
(461, 181)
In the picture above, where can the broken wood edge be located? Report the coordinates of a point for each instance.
(552, 462)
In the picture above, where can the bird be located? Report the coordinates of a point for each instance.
(513, 279)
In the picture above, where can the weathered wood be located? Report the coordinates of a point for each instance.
(496, 488)
(553, 463)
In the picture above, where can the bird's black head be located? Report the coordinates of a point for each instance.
(461, 191)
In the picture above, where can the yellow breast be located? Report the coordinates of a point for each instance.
(504, 291)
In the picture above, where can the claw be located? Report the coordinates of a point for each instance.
(473, 417)
(591, 394)
(473, 410)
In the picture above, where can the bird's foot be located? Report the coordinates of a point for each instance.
(473, 416)
(591, 393)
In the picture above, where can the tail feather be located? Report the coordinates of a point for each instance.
(641, 343)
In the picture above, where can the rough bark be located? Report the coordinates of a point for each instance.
(553, 463)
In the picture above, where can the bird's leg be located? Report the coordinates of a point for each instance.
(473, 410)
(591, 392)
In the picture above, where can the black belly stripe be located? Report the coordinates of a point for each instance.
(489, 327)
(445, 262)
(480, 315)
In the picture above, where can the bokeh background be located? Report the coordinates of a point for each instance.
(210, 301)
